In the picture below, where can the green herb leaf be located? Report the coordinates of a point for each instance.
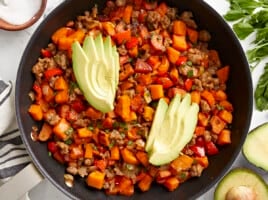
(243, 29)
(261, 92)
(234, 15)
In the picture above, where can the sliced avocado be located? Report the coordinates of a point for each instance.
(97, 76)
(241, 183)
(159, 116)
(255, 148)
(178, 134)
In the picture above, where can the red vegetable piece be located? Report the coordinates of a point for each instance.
(165, 81)
(46, 53)
(142, 67)
(198, 150)
(132, 43)
(52, 147)
(78, 105)
(181, 60)
(211, 148)
(188, 84)
(38, 92)
(53, 72)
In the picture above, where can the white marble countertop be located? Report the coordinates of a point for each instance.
(12, 45)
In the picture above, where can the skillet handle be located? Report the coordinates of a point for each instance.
(21, 183)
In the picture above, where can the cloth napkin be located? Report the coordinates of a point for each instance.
(13, 155)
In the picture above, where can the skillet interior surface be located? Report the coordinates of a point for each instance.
(239, 91)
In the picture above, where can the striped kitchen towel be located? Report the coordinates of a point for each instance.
(13, 155)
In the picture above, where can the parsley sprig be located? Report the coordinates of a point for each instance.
(249, 16)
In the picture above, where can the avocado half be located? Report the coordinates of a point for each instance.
(96, 69)
(255, 147)
(242, 184)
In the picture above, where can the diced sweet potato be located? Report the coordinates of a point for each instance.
(96, 179)
(145, 183)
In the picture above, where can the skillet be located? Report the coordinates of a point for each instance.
(239, 91)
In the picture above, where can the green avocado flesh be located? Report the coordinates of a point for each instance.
(173, 127)
(96, 69)
(255, 148)
(241, 183)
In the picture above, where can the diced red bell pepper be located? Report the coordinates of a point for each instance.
(46, 53)
(165, 81)
(78, 105)
(101, 164)
(52, 147)
(38, 92)
(134, 41)
(188, 84)
(211, 148)
(53, 72)
(181, 60)
(198, 150)
(200, 141)
(142, 67)
(150, 5)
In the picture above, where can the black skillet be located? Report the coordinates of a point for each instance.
(239, 91)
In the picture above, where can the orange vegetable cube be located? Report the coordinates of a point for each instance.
(226, 105)
(122, 37)
(226, 116)
(199, 130)
(179, 28)
(96, 179)
(62, 129)
(129, 157)
(143, 158)
(62, 96)
(61, 84)
(192, 35)
(171, 183)
(36, 112)
(88, 151)
(202, 161)
(148, 113)
(157, 91)
(224, 137)
(223, 73)
(127, 13)
(103, 138)
(195, 96)
(145, 183)
(203, 119)
(179, 42)
(108, 27)
(220, 95)
(45, 133)
(84, 132)
(173, 54)
(115, 153)
(183, 162)
(208, 96)
(217, 124)
(122, 107)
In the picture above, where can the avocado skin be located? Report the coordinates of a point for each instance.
(255, 146)
(241, 177)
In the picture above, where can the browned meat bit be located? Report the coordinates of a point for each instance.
(51, 117)
(61, 59)
(198, 84)
(88, 161)
(165, 22)
(82, 171)
(205, 108)
(187, 16)
(171, 13)
(153, 19)
(120, 27)
(120, 3)
(207, 136)
(72, 168)
(42, 64)
(204, 36)
(214, 59)
(69, 180)
(196, 56)
(187, 70)
(196, 170)
(208, 81)
(122, 50)
(52, 48)
(81, 122)
(135, 16)
(64, 148)
(94, 11)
